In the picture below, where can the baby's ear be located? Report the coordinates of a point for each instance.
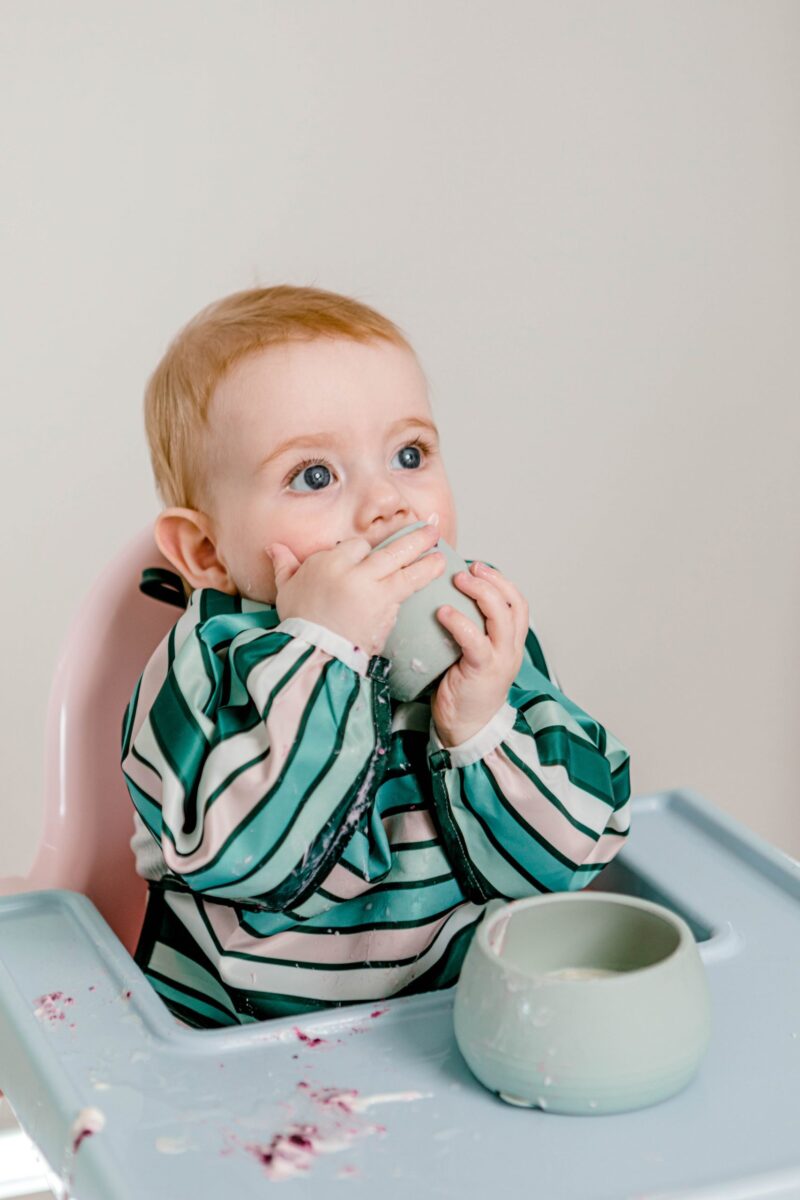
(186, 539)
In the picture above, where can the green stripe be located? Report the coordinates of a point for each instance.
(180, 740)
(394, 809)
(511, 883)
(400, 846)
(621, 784)
(393, 923)
(211, 666)
(285, 806)
(441, 895)
(184, 971)
(267, 1006)
(223, 787)
(444, 973)
(148, 810)
(171, 647)
(475, 886)
(544, 790)
(180, 1000)
(356, 964)
(381, 857)
(237, 720)
(336, 835)
(535, 654)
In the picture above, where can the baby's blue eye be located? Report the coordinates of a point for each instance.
(316, 473)
(413, 451)
(316, 476)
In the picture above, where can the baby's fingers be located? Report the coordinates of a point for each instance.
(392, 559)
(476, 647)
(284, 563)
(510, 593)
(418, 575)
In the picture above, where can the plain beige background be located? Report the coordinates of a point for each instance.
(584, 215)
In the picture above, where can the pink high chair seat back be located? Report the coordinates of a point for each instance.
(88, 813)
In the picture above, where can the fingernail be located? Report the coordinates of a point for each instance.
(433, 519)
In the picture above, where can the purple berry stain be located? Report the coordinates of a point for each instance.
(307, 1040)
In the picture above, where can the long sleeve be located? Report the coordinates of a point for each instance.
(538, 800)
(252, 748)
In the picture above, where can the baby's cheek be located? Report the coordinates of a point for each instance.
(304, 550)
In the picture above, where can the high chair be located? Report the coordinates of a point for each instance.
(125, 1103)
(84, 844)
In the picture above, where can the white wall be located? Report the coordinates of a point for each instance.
(585, 217)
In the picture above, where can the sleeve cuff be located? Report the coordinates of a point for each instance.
(326, 639)
(481, 743)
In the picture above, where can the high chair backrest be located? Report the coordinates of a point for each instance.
(88, 814)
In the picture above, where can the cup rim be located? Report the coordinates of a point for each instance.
(685, 936)
(409, 528)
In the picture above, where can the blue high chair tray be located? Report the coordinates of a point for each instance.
(126, 1103)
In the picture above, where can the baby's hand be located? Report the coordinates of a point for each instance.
(352, 590)
(474, 688)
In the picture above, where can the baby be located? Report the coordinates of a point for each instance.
(308, 840)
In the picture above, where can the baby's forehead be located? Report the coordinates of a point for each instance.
(331, 386)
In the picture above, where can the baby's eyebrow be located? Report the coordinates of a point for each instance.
(328, 439)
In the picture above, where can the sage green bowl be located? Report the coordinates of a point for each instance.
(582, 1003)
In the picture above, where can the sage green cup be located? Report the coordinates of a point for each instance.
(419, 648)
(582, 1003)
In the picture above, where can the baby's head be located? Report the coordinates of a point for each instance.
(293, 415)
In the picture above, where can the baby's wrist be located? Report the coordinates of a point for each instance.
(451, 736)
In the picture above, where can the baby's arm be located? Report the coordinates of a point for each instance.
(257, 751)
(537, 800)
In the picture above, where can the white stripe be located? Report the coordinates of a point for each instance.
(149, 859)
(341, 947)
(142, 773)
(266, 674)
(364, 983)
(189, 673)
(231, 754)
(187, 622)
(182, 970)
(251, 606)
(328, 640)
(171, 790)
(548, 714)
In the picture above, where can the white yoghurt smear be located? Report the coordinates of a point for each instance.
(581, 973)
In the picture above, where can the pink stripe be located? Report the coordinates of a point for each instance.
(344, 885)
(241, 797)
(416, 826)
(152, 682)
(145, 778)
(380, 945)
(534, 808)
(605, 848)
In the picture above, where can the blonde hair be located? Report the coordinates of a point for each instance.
(181, 387)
